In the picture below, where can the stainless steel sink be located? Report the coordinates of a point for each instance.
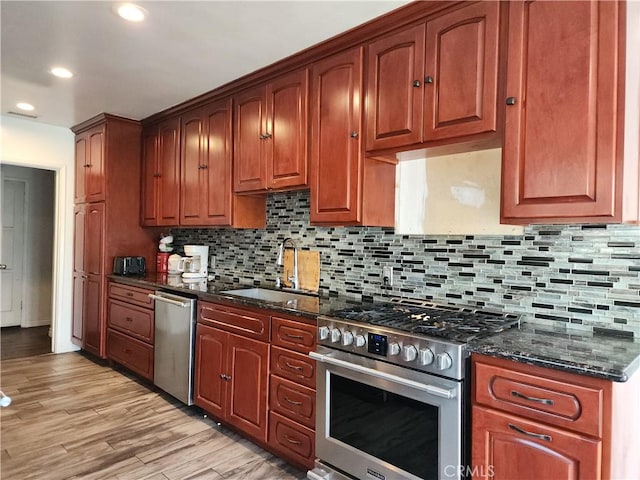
(266, 295)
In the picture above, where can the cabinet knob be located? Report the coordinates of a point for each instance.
(354, 134)
(416, 83)
(428, 79)
(267, 135)
(157, 175)
(87, 165)
(202, 167)
(511, 100)
(262, 136)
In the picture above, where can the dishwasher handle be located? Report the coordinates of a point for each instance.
(168, 300)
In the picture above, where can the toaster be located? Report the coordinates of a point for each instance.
(128, 265)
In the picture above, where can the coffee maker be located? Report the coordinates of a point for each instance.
(195, 262)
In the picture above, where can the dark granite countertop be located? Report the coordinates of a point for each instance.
(566, 349)
(306, 306)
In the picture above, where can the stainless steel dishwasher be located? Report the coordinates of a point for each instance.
(175, 331)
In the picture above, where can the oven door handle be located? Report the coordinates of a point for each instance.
(424, 387)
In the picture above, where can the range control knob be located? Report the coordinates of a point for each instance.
(425, 356)
(443, 361)
(323, 333)
(394, 349)
(409, 353)
(360, 341)
(347, 338)
(335, 335)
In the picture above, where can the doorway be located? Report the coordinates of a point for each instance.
(26, 260)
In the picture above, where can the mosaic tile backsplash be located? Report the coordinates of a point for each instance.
(587, 276)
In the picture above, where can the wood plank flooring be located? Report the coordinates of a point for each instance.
(74, 419)
(16, 342)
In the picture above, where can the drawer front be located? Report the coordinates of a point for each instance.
(133, 354)
(135, 321)
(293, 366)
(136, 295)
(574, 406)
(297, 336)
(293, 441)
(247, 323)
(293, 401)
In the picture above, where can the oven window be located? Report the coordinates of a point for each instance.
(396, 429)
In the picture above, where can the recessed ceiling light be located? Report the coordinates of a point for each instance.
(131, 12)
(61, 72)
(25, 106)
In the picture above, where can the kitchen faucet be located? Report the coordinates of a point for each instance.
(280, 261)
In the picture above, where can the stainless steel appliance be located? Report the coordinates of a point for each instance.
(175, 329)
(391, 391)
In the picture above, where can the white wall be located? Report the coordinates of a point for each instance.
(30, 144)
(38, 248)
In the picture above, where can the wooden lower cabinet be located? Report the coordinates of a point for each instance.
(506, 447)
(130, 328)
(232, 379)
(530, 422)
(293, 441)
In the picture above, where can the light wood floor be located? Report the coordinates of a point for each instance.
(74, 419)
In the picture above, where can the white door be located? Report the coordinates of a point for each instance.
(11, 252)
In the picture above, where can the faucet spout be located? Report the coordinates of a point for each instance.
(289, 243)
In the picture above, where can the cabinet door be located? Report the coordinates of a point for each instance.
(95, 173)
(78, 308)
(192, 162)
(250, 172)
(395, 89)
(81, 166)
(286, 152)
(218, 157)
(169, 179)
(506, 447)
(562, 131)
(79, 221)
(94, 239)
(93, 328)
(210, 387)
(461, 75)
(248, 367)
(150, 177)
(336, 145)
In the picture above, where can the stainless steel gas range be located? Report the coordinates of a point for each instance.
(391, 391)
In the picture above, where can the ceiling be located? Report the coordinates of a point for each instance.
(181, 50)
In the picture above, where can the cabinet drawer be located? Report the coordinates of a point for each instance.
(127, 293)
(293, 401)
(295, 442)
(247, 323)
(565, 400)
(131, 353)
(294, 366)
(297, 336)
(134, 321)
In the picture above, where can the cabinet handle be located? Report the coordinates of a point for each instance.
(428, 79)
(225, 377)
(354, 134)
(416, 83)
(202, 167)
(267, 135)
(294, 337)
(544, 401)
(292, 402)
(539, 436)
(157, 175)
(129, 319)
(262, 136)
(293, 367)
(129, 294)
(292, 440)
(87, 165)
(511, 100)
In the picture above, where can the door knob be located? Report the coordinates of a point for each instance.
(3, 266)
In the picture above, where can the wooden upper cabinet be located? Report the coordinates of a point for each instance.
(336, 140)
(192, 178)
(562, 156)
(270, 149)
(161, 174)
(436, 81)
(90, 183)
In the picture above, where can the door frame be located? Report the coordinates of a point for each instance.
(25, 232)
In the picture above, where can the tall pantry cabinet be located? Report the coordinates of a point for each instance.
(106, 219)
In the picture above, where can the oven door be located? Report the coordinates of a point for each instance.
(381, 422)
